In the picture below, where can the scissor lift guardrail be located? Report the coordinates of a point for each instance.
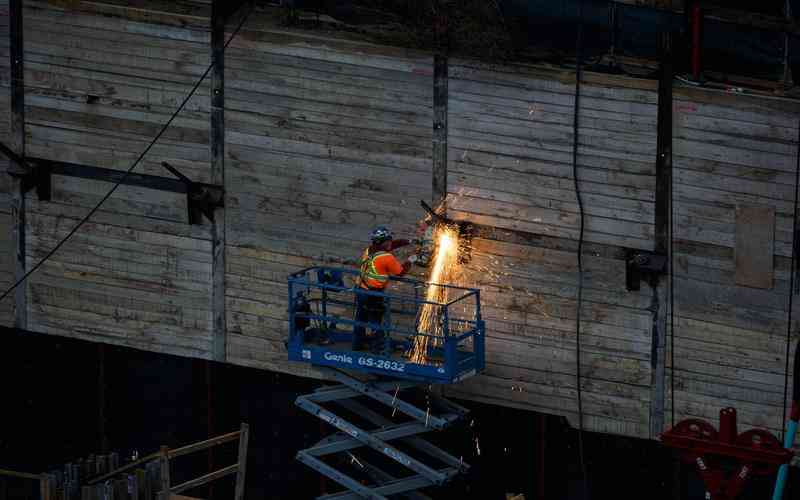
(454, 352)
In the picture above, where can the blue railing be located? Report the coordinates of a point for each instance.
(322, 319)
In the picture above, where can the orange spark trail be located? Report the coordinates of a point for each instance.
(444, 263)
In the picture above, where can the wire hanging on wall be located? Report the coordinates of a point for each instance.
(127, 173)
(575, 132)
(792, 282)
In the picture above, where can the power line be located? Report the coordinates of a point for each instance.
(671, 267)
(575, 131)
(792, 283)
(132, 167)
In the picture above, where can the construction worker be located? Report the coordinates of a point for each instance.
(377, 265)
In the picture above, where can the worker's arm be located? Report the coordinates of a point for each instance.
(391, 266)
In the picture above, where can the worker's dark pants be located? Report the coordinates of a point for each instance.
(369, 308)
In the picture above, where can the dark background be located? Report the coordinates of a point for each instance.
(58, 406)
(516, 29)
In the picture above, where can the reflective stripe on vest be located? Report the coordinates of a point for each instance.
(370, 277)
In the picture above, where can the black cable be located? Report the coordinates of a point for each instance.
(671, 266)
(127, 172)
(791, 286)
(796, 375)
(578, 63)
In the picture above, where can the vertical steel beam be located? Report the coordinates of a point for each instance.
(18, 145)
(439, 129)
(663, 213)
(217, 144)
(664, 149)
(787, 69)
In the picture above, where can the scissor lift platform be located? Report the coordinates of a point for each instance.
(385, 437)
(455, 349)
(385, 452)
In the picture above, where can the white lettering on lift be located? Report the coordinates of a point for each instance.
(341, 358)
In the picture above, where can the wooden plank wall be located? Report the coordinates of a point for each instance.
(327, 136)
(510, 138)
(730, 340)
(511, 155)
(101, 79)
(323, 142)
(6, 244)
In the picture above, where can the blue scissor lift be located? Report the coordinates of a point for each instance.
(377, 406)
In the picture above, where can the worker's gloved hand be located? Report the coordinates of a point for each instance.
(413, 259)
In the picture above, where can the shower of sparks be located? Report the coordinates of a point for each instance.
(445, 262)
(487, 270)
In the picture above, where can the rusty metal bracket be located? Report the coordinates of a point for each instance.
(640, 264)
(31, 173)
(201, 199)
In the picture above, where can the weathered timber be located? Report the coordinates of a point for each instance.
(528, 161)
(730, 153)
(217, 156)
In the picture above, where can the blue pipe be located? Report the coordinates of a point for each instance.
(794, 416)
(783, 472)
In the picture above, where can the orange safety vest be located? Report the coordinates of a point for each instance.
(369, 277)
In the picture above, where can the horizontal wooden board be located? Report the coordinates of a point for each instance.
(511, 136)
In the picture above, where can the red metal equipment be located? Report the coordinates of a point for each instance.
(697, 44)
(753, 452)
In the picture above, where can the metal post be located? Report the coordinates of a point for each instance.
(324, 333)
(164, 494)
(387, 324)
(292, 332)
(660, 287)
(15, 9)
(440, 77)
(44, 490)
(612, 7)
(479, 340)
(787, 70)
(217, 153)
(450, 344)
(241, 469)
